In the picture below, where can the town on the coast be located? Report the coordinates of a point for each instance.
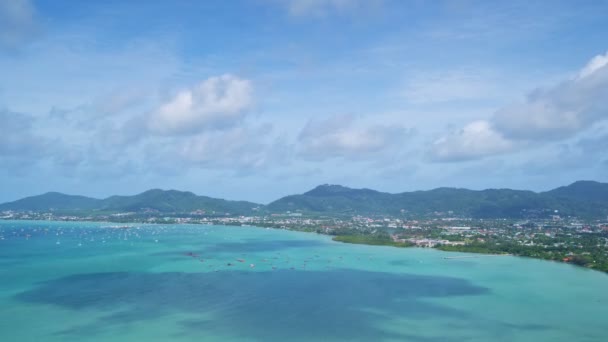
(563, 239)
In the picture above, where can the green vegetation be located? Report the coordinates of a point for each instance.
(581, 199)
(587, 251)
(566, 224)
(473, 248)
(52, 200)
(376, 240)
(151, 201)
(492, 203)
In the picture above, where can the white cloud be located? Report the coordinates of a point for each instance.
(475, 140)
(555, 113)
(594, 65)
(218, 101)
(538, 120)
(340, 136)
(17, 22)
(560, 111)
(124, 129)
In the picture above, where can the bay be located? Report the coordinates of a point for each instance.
(63, 281)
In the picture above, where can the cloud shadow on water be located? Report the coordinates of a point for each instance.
(275, 305)
(254, 246)
(244, 247)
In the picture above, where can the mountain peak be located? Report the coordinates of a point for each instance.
(584, 183)
(583, 190)
(328, 189)
(52, 193)
(167, 192)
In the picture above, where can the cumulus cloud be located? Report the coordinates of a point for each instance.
(554, 113)
(17, 22)
(199, 128)
(218, 101)
(475, 140)
(594, 65)
(340, 136)
(560, 111)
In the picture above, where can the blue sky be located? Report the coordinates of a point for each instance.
(262, 98)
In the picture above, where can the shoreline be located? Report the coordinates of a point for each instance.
(347, 239)
(482, 255)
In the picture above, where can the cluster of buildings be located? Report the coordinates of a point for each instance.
(427, 233)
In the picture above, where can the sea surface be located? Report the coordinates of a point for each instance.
(77, 281)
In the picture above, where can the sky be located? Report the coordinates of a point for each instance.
(259, 99)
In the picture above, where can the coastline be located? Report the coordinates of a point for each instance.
(370, 240)
(475, 254)
(354, 239)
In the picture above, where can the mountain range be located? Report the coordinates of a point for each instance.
(586, 199)
(155, 200)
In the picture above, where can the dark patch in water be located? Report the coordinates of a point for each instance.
(400, 262)
(276, 305)
(261, 246)
(526, 326)
(248, 246)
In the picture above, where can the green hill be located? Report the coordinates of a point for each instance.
(582, 191)
(175, 201)
(584, 199)
(336, 199)
(52, 201)
(164, 201)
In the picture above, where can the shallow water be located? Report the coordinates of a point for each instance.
(88, 282)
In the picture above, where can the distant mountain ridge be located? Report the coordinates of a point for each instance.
(52, 200)
(163, 201)
(583, 198)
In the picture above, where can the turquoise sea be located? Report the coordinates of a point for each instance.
(75, 281)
